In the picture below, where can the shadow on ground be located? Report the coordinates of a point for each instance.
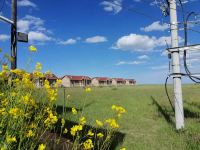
(163, 111)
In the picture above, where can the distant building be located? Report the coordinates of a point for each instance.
(130, 81)
(101, 81)
(75, 81)
(52, 78)
(118, 81)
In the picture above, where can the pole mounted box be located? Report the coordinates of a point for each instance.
(22, 37)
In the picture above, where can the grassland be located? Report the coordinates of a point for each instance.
(149, 121)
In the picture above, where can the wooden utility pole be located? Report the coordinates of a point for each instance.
(14, 35)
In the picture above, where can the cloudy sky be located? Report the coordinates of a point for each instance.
(114, 38)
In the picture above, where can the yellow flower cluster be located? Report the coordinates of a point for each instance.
(51, 119)
(27, 100)
(90, 133)
(32, 48)
(99, 123)
(74, 111)
(100, 135)
(82, 120)
(15, 112)
(30, 133)
(120, 110)
(2, 111)
(42, 147)
(112, 123)
(88, 89)
(88, 144)
(10, 139)
(76, 129)
(62, 122)
(51, 93)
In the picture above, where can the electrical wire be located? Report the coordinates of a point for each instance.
(134, 11)
(166, 89)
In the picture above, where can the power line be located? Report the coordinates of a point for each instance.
(134, 11)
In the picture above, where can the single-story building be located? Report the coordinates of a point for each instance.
(130, 82)
(75, 81)
(101, 81)
(52, 78)
(118, 81)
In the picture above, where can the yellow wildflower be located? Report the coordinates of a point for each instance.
(4, 102)
(75, 129)
(74, 111)
(100, 135)
(1, 94)
(15, 112)
(38, 66)
(63, 122)
(90, 133)
(30, 133)
(4, 67)
(99, 123)
(2, 111)
(88, 144)
(42, 147)
(82, 120)
(51, 119)
(88, 89)
(123, 148)
(65, 131)
(10, 139)
(120, 110)
(112, 123)
(32, 48)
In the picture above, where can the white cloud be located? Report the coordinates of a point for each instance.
(34, 26)
(26, 3)
(155, 26)
(38, 36)
(68, 42)
(141, 43)
(30, 23)
(112, 6)
(96, 39)
(143, 57)
(4, 37)
(129, 63)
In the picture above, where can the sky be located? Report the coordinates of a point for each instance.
(99, 38)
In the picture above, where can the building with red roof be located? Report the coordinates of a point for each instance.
(118, 81)
(101, 81)
(75, 81)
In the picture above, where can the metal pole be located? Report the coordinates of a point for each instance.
(14, 35)
(179, 114)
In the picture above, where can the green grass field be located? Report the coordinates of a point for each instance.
(149, 121)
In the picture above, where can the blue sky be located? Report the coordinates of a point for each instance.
(97, 37)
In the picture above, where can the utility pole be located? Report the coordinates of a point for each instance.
(14, 35)
(179, 113)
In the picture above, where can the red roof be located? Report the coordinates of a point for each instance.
(51, 76)
(77, 78)
(102, 78)
(132, 80)
(119, 79)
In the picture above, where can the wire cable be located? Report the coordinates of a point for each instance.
(134, 11)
